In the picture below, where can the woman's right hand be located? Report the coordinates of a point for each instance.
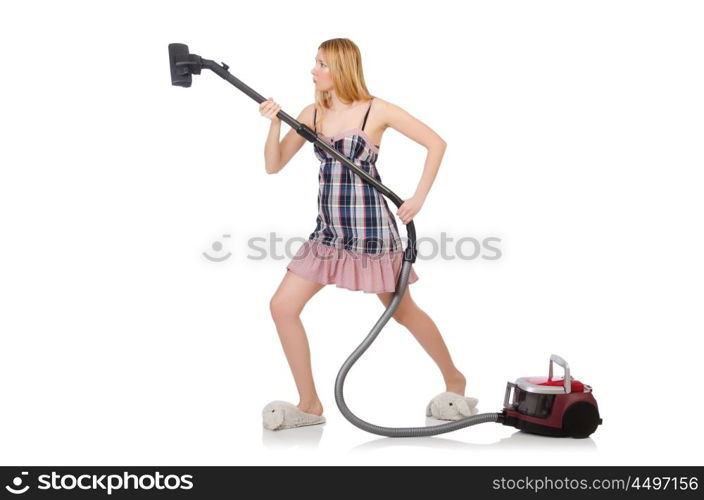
(269, 109)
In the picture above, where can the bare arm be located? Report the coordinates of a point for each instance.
(398, 119)
(277, 155)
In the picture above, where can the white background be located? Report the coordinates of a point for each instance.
(574, 135)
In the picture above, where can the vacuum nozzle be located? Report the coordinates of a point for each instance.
(183, 64)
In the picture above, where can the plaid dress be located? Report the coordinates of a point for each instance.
(352, 214)
(356, 243)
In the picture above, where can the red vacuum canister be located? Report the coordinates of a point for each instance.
(551, 406)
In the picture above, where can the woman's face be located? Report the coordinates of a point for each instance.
(321, 73)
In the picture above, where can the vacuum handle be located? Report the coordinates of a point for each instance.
(557, 359)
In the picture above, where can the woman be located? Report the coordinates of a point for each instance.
(356, 243)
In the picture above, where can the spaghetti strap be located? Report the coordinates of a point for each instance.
(367, 114)
(315, 115)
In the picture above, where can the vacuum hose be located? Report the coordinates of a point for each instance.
(183, 65)
(396, 431)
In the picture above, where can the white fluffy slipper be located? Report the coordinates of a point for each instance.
(451, 406)
(279, 415)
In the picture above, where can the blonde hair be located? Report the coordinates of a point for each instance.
(345, 62)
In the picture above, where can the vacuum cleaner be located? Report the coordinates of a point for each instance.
(546, 406)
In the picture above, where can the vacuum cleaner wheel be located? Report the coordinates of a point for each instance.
(580, 420)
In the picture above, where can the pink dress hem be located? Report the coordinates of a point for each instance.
(367, 272)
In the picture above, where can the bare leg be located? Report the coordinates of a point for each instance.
(426, 332)
(286, 306)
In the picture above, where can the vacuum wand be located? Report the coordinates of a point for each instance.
(183, 65)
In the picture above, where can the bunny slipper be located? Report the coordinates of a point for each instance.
(451, 406)
(279, 415)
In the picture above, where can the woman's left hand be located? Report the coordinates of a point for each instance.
(409, 208)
